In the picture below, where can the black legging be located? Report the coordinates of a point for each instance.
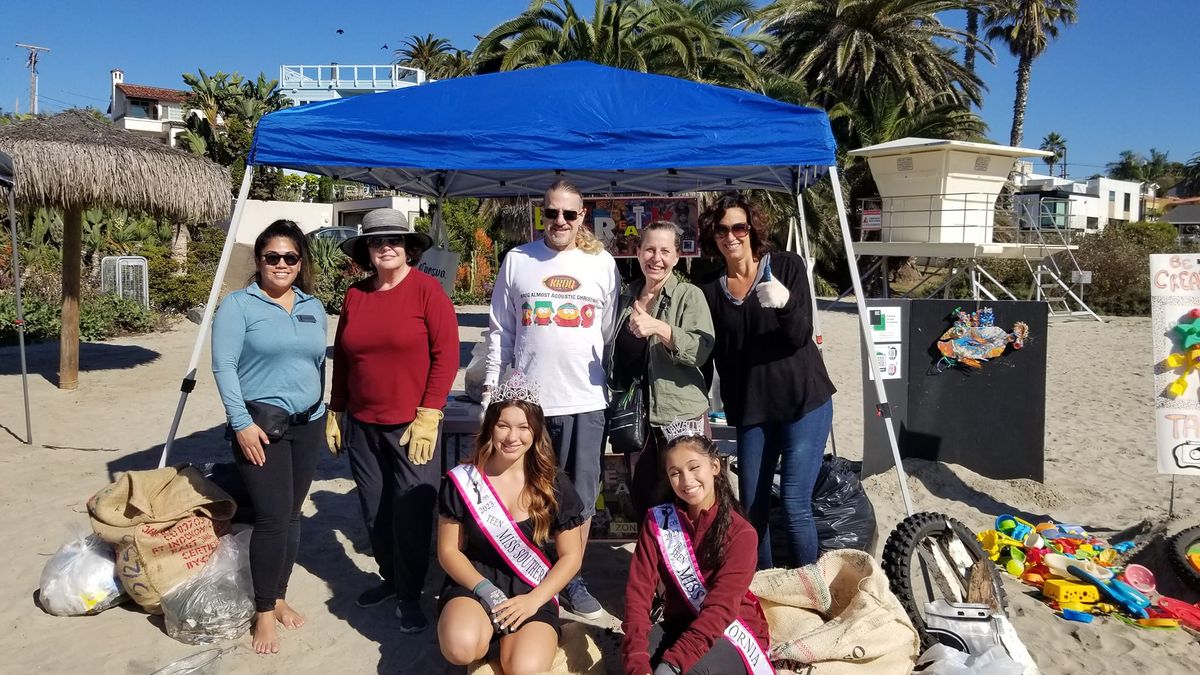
(277, 490)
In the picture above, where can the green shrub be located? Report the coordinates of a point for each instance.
(334, 272)
(176, 288)
(101, 316)
(1119, 259)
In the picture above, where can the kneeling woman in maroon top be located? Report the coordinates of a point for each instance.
(704, 552)
(496, 514)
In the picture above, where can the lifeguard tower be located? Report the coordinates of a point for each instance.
(941, 200)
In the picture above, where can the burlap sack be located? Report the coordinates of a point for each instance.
(164, 523)
(836, 617)
(577, 655)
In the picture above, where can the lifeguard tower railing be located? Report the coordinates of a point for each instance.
(955, 232)
(349, 77)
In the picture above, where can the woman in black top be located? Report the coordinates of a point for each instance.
(773, 381)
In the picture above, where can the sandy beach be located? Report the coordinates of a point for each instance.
(1100, 472)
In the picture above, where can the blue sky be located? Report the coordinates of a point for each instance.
(1125, 77)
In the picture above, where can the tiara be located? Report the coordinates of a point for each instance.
(681, 428)
(517, 387)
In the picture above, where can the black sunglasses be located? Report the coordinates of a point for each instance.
(382, 240)
(739, 230)
(292, 259)
(567, 214)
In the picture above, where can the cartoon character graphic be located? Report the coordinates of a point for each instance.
(567, 316)
(587, 315)
(526, 314)
(542, 311)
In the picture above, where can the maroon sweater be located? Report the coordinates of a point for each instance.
(726, 598)
(395, 350)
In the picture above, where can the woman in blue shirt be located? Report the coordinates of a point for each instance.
(268, 348)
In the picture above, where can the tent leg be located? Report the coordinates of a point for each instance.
(16, 270)
(189, 379)
(864, 320)
(812, 288)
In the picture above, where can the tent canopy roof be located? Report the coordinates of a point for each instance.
(510, 134)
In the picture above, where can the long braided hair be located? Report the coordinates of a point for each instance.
(711, 551)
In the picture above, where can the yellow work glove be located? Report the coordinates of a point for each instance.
(333, 434)
(421, 435)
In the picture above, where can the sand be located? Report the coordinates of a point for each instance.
(1100, 471)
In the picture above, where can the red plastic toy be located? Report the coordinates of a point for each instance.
(1188, 614)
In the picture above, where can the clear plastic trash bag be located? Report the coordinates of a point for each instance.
(215, 604)
(81, 578)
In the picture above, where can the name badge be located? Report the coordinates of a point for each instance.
(306, 318)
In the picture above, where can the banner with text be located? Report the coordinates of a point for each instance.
(1175, 328)
(617, 221)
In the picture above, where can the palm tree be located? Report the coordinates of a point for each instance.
(1191, 175)
(208, 94)
(427, 53)
(848, 48)
(973, 37)
(1026, 27)
(689, 39)
(1053, 142)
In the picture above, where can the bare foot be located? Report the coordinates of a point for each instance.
(284, 614)
(266, 640)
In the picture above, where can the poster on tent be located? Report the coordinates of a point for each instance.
(1175, 328)
(617, 221)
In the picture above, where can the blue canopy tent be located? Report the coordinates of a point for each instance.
(511, 134)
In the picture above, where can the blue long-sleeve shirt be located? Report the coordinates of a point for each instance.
(260, 352)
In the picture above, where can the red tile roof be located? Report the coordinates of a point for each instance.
(153, 93)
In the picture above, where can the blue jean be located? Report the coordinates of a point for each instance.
(800, 444)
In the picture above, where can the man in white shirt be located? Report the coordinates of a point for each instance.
(553, 308)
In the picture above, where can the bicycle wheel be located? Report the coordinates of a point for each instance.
(1184, 551)
(928, 557)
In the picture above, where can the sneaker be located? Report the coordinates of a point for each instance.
(412, 619)
(377, 595)
(577, 600)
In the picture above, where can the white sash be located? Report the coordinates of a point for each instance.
(676, 549)
(526, 560)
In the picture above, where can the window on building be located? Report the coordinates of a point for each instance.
(1112, 196)
(140, 108)
(1127, 196)
(1093, 223)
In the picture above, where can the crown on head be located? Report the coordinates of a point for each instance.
(518, 387)
(681, 428)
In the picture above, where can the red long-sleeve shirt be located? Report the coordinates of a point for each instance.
(726, 600)
(395, 350)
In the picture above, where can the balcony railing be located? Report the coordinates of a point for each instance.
(354, 77)
(965, 217)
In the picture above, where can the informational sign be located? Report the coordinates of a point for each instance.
(872, 219)
(1175, 329)
(618, 221)
(888, 339)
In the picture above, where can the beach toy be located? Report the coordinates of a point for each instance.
(1123, 546)
(1015, 565)
(1159, 623)
(1034, 540)
(1073, 530)
(1065, 591)
(1013, 526)
(992, 543)
(1188, 614)
(1076, 606)
(1103, 608)
(1107, 557)
(1033, 578)
(1140, 578)
(1072, 615)
(1042, 527)
(1060, 566)
(1120, 594)
(1034, 556)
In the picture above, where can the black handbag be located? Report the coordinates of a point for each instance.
(275, 421)
(629, 411)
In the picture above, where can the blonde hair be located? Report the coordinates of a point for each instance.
(584, 239)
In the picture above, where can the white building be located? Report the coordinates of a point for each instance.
(1086, 206)
(152, 112)
(307, 84)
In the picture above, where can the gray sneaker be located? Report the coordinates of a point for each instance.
(577, 600)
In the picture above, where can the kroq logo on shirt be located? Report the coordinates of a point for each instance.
(561, 283)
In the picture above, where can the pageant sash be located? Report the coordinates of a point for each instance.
(677, 552)
(524, 559)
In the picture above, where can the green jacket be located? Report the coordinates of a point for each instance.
(677, 388)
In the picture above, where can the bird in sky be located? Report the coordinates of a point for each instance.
(384, 48)
(340, 31)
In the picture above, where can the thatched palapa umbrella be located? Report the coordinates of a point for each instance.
(73, 161)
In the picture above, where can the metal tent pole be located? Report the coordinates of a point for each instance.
(189, 379)
(864, 321)
(16, 270)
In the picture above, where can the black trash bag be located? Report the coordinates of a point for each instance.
(841, 508)
(226, 476)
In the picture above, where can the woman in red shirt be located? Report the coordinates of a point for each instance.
(394, 361)
(711, 621)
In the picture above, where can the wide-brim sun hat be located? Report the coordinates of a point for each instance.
(383, 222)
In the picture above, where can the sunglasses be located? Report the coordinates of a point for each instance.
(394, 241)
(739, 230)
(567, 214)
(292, 259)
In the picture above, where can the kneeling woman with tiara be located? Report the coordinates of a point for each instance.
(701, 548)
(497, 512)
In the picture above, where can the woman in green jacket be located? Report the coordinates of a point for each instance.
(664, 333)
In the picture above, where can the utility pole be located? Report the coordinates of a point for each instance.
(33, 78)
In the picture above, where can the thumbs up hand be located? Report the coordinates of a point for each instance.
(771, 293)
(641, 324)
